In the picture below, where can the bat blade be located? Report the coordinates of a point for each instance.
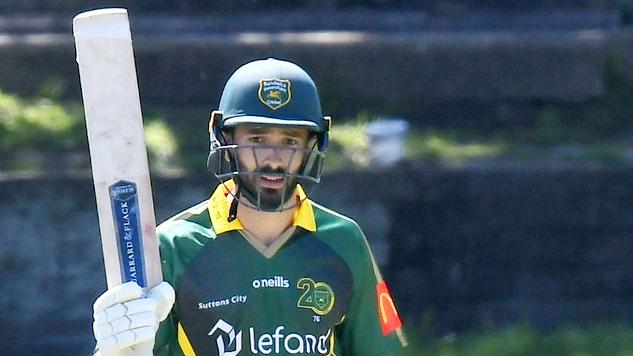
(117, 147)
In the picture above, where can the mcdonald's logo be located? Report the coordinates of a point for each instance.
(389, 319)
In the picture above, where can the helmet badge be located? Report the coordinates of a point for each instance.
(274, 93)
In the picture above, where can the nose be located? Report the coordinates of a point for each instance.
(273, 157)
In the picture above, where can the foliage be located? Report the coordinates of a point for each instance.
(161, 144)
(448, 147)
(348, 143)
(34, 131)
(39, 123)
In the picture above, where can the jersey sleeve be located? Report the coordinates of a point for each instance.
(178, 244)
(372, 325)
(166, 343)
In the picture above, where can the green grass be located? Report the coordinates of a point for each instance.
(522, 340)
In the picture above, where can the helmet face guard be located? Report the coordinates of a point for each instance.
(225, 164)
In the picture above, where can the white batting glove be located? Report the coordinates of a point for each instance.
(125, 322)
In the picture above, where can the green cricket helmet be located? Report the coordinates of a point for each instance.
(268, 92)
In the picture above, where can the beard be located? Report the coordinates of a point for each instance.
(264, 198)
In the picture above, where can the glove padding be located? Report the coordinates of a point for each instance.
(125, 322)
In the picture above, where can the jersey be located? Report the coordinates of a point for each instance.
(315, 290)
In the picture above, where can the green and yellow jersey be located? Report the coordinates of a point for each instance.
(315, 290)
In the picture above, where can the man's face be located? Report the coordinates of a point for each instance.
(273, 152)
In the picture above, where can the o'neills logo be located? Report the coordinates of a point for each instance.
(274, 282)
(229, 341)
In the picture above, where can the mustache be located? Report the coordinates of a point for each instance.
(269, 169)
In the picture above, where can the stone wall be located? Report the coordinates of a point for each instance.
(462, 248)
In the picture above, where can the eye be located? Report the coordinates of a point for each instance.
(291, 141)
(255, 139)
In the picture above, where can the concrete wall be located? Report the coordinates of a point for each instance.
(462, 248)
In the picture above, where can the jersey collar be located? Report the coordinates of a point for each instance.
(219, 210)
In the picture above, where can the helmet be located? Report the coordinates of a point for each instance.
(268, 92)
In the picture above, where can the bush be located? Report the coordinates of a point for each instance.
(38, 124)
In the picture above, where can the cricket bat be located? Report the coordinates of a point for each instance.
(117, 147)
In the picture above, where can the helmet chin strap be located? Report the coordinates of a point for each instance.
(234, 204)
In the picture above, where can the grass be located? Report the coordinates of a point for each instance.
(523, 340)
